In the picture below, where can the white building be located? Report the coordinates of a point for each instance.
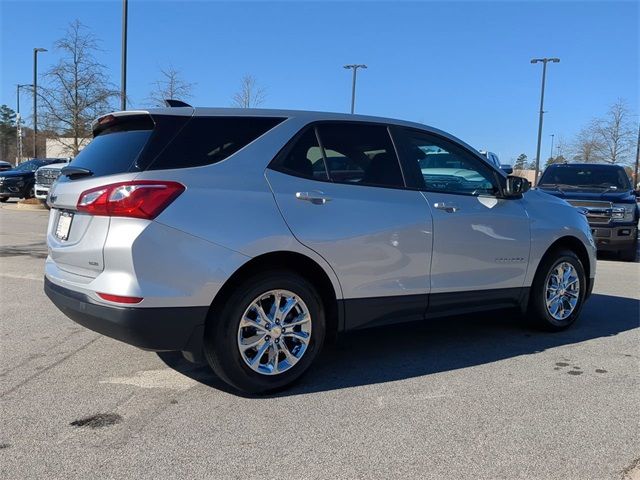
(59, 147)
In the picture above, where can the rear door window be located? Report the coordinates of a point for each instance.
(360, 154)
(304, 158)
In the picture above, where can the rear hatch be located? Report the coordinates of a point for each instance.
(116, 154)
(124, 145)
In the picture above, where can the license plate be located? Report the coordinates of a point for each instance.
(64, 225)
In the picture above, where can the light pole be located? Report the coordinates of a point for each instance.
(19, 123)
(552, 135)
(35, 99)
(544, 75)
(355, 68)
(637, 159)
(123, 70)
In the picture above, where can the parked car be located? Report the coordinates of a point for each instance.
(4, 166)
(493, 158)
(19, 181)
(251, 236)
(606, 193)
(45, 176)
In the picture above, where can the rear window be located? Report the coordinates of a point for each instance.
(112, 153)
(207, 140)
(130, 144)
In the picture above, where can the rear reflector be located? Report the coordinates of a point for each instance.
(119, 298)
(136, 199)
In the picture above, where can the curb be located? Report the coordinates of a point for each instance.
(24, 206)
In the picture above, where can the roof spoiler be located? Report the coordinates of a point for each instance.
(171, 103)
(129, 120)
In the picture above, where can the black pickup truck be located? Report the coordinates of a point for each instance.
(606, 194)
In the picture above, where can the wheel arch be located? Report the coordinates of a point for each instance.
(303, 266)
(573, 244)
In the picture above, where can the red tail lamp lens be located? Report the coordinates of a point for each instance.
(136, 199)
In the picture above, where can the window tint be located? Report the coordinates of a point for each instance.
(360, 154)
(305, 157)
(207, 140)
(111, 153)
(446, 167)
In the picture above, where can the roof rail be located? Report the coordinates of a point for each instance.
(169, 102)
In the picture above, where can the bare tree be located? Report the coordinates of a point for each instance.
(615, 134)
(77, 90)
(562, 147)
(587, 146)
(250, 94)
(170, 86)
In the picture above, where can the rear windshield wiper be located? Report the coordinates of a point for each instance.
(73, 172)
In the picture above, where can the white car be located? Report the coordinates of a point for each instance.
(45, 176)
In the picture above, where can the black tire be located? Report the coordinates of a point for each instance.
(537, 311)
(220, 343)
(630, 254)
(4, 199)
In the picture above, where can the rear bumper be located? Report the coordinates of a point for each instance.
(157, 329)
(614, 238)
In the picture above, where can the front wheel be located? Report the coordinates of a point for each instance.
(558, 291)
(267, 333)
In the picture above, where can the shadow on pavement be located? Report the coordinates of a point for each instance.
(403, 351)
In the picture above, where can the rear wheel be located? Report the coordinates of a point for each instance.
(558, 291)
(4, 199)
(267, 333)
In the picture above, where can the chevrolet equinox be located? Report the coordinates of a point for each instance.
(247, 237)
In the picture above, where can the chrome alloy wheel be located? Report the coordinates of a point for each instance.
(562, 291)
(274, 332)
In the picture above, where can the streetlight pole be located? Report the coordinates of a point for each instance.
(637, 159)
(355, 68)
(544, 62)
(35, 99)
(552, 135)
(19, 123)
(123, 70)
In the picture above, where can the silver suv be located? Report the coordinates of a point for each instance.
(248, 237)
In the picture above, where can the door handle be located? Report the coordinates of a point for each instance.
(317, 198)
(447, 207)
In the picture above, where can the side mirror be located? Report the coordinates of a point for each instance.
(516, 186)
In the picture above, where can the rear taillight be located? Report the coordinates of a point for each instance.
(137, 199)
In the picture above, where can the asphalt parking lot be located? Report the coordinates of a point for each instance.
(481, 398)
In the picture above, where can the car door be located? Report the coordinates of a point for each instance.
(341, 190)
(481, 241)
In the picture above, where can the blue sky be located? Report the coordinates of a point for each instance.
(460, 66)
